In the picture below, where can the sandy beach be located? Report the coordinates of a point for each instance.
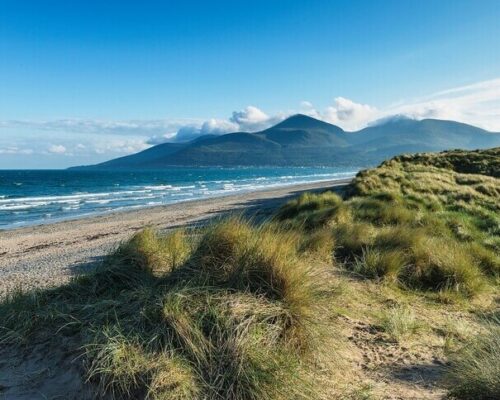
(48, 255)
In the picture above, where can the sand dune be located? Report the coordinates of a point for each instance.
(48, 255)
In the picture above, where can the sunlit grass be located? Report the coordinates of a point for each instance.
(238, 310)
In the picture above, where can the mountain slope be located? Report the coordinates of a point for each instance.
(301, 140)
(437, 132)
(144, 157)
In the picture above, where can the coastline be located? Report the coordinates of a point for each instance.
(50, 254)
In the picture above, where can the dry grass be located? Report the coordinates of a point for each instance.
(475, 369)
(386, 265)
(156, 254)
(232, 311)
(413, 222)
(399, 322)
(239, 311)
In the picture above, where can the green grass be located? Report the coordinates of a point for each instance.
(399, 322)
(377, 264)
(424, 222)
(230, 311)
(474, 371)
(311, 211)
(236, 310)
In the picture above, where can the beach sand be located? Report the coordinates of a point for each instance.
(49, 255)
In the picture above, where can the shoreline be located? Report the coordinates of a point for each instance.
(50, 254)
(132, 208)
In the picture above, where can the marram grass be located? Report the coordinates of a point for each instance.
(235, 310)
(230, 311)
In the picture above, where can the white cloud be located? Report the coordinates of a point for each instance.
(96, 126)
(15, 150)
(158, 139)
(476, 104)
(345, 113)
(57, 149)
(119, 146)
(251, 119)
(348, 114)
(210, 127)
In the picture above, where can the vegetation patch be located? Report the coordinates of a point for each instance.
(415, 220)
(230, 311)
(475, 368)
(236, 310)
(399, 322)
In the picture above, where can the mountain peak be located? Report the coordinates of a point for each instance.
(301, 140)
(301, 121)
(392, 119)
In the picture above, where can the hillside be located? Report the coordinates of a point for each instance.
(303, 141)
(388, 290)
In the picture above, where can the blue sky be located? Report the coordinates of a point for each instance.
(85, 81)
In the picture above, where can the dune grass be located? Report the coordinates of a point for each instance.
(474, 371)
(235, 310)
(399, 322)
(429, 223)
(230, 311)
(423, 221)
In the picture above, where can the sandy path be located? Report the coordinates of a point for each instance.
(48, 255)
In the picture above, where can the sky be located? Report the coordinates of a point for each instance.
(86, 81)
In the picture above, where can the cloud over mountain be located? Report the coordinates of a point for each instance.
(477, 104)
(345, 113)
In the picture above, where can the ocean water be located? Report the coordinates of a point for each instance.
(31, 197)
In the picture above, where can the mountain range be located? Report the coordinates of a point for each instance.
(301, 140)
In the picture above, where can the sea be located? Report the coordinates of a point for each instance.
(33, 197)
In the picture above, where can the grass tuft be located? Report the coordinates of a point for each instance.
(375, 263)
(158, 255)
(352, 239)
(312, 211)
(399, 322)
(474, 372)
(234, 312)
